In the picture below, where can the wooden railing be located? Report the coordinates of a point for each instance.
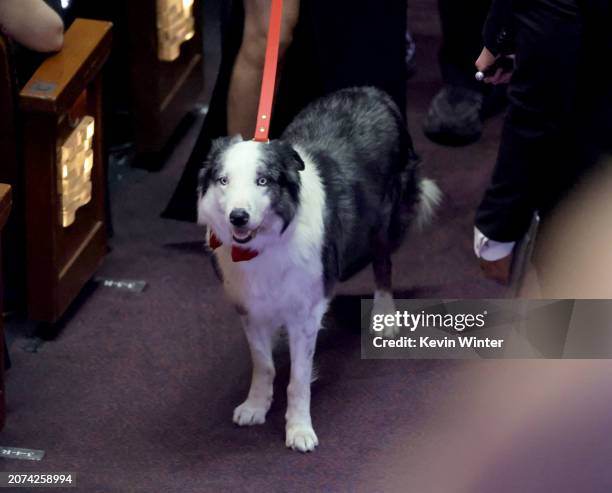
(61, 109)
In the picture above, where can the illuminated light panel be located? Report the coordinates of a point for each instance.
(175, 25)
(74, 170)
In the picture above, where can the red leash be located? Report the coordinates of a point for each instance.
(268, 82)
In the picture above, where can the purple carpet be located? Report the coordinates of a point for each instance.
(136, 392)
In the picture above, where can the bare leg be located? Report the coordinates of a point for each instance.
(302, 340)
(245, 84)
(253, 410)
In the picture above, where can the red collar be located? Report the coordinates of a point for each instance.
(239, 254)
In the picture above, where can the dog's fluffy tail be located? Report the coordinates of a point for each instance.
(430, 197)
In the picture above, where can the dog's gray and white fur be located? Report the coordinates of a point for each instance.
(337, 191)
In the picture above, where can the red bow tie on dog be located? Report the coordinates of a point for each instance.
(239, 254)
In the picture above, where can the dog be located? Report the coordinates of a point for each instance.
(289, 219)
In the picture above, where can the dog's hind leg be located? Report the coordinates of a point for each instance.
(383, 296)
(302, 340)
(253, 410)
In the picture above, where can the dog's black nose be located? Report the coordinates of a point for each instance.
(239, 217)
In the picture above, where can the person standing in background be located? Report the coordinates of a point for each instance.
(326, 46)
(559, 119)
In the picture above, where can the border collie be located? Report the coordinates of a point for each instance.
(288, 219)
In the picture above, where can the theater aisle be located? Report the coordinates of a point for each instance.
(136, 392)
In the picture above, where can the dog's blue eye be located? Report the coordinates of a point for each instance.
(222, 180)
(262, 181)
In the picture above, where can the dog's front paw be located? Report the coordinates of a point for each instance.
(301, 437)
(384, 311)
(248, 414)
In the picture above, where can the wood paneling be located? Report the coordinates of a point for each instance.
(163, 93)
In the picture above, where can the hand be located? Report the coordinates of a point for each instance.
(484, 61)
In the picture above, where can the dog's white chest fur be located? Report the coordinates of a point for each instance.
(276, 289)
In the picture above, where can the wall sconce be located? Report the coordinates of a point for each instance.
(74, 171)
(175, 25)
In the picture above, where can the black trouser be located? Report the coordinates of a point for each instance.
(462, 22)
(538, 156)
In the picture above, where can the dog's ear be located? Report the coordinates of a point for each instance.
(297, 160)
(290, 157)
(213, 160)
(204, 178)
(288, 163)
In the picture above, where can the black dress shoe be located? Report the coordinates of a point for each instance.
(454, 116)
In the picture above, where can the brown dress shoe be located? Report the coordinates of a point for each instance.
(498, 270)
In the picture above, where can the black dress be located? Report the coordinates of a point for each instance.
(336, 44)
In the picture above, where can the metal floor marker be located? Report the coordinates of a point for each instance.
(32, 344)
(21, 453)
(134, 286)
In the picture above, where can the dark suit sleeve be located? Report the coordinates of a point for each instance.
(498, 30)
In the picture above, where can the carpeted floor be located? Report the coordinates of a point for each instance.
(136, 392)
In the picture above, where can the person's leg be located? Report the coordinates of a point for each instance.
(245, 84)
(454, 116)
(535, 149)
